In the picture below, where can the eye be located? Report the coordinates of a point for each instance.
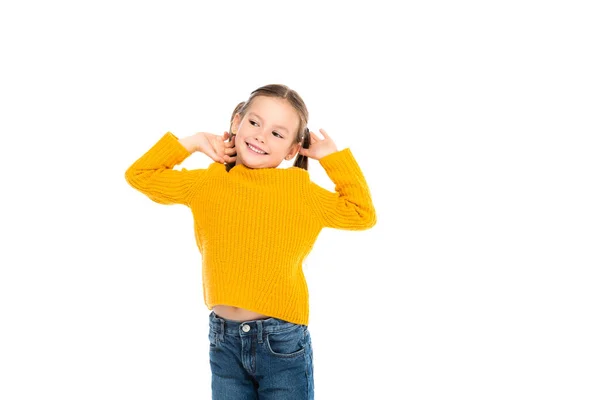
(277, 134)
(253, 123)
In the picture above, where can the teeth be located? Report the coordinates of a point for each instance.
(255, 149)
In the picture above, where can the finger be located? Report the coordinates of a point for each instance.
(306, 152)
(324, 133)
(218, 151)
(212, 154)
(225, 135)
(229, 159)
(231, 143)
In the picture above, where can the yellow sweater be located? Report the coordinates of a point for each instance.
(254, 227)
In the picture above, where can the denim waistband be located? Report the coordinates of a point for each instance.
(252, 327)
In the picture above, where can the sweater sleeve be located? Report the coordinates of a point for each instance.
(153, 173)
(350, 206)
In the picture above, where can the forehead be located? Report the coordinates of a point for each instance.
(276, 111)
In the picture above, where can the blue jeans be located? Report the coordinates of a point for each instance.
(264, 359)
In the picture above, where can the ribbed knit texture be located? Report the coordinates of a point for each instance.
(254, 227)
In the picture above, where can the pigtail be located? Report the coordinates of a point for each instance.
(237, 109)
(301, 160)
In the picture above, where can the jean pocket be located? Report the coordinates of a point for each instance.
(287, 344)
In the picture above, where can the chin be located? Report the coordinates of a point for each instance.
(254, 161)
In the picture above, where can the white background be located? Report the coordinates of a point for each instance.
(475, 123)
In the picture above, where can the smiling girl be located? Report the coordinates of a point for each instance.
(255, 223)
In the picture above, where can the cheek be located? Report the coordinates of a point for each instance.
(285, 148)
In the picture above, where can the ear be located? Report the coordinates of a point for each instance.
(235, 124)
(293, 151)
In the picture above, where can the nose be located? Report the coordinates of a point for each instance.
(260, 136)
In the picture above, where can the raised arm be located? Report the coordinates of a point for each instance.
(350, 206)
(153, 173)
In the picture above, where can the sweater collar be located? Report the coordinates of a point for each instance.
(242, 169)
(263, 174)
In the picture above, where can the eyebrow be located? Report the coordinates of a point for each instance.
(276, 126)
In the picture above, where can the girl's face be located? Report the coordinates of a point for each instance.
(266, 134)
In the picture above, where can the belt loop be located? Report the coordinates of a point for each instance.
(260, 331)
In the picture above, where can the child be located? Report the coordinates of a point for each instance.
(254, 225)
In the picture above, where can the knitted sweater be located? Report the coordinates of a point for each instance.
(254, 227)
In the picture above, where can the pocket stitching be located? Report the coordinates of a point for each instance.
(291, 355)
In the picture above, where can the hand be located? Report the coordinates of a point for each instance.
(230, 151)
(319, 148)
(211, 145)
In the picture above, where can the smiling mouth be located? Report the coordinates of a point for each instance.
(256, 149)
